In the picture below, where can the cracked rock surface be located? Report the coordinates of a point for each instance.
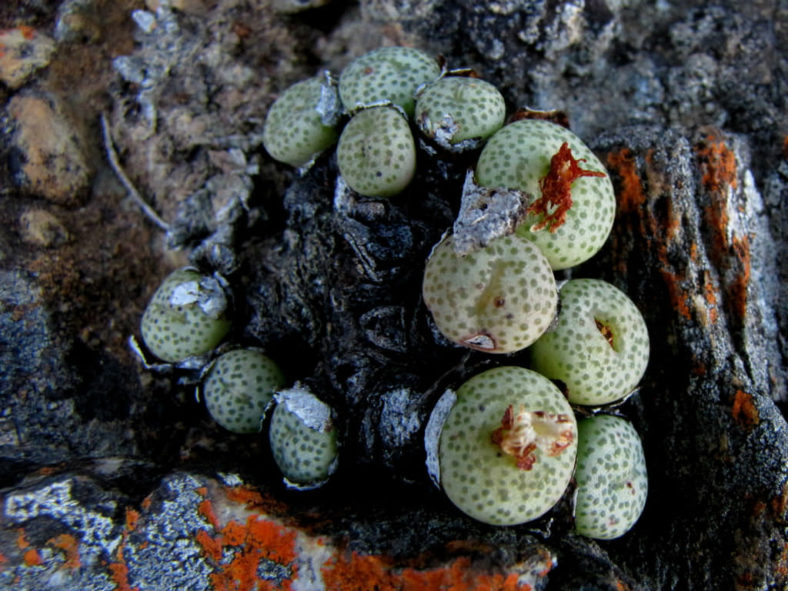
(114, 477)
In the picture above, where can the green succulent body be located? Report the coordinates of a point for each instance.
(376, 154)
(386, 74)
(519, 156)
(498, 299)
(455, 109)
(599, 346)
(612, 482)
(304, 447)
(181, 319)
(238, 388)
(479, 472)
(294, 131)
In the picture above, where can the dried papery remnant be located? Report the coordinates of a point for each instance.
(606, 331)
(523, 432)
(556, 186)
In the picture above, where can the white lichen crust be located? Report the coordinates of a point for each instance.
(186, 316)
(295, 131)
(454, 109)
(303, 438)
(238, 388)
(488, 481)
(386, 74)
(612, 482)
(599, 345)
(498, 299)
(376, 154)
(519, 156)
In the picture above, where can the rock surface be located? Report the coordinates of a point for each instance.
(115, 478)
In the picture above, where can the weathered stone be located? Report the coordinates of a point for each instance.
(48, 150)
(40, 227)
(23, 50)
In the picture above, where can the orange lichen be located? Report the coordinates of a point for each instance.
(744, 410)
(250, 543)
(556, 187)
(119, 573)
(710, 295)
(205, 509)
(146, 502)
(252, 499)
(32, 558)
(631, 196)
(70, 546)
(678, 295)
(21, 540)
(363, 572)
(132, 518)
(718, 164)
(27, 32)
(738, 288)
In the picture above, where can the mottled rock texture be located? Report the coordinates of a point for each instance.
(115, 478)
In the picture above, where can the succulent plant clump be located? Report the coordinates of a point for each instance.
(571, 199)
(376, 154)
(187, 316)
(238, 388)
(507, 447)
(295, 129)
(456, 109)
(303, 438)
(612, 482)
(498, 299)
(599, 346)
(387, 74)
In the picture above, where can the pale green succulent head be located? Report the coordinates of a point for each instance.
(507, 447)
(303, 438)
(376, 154)
(295, 129)
(570, 216)
(497, 299)
(457, 109)
(599, 345)
(187, 316)
(387, 74)
(238, 388)
(612, 482)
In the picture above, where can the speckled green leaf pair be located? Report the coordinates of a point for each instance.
(599, 345)
(571, 199)
(187, 316)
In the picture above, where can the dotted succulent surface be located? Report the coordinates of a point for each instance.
(462, 108)
(519, 156)
(294, 132)
(598, 347)
(612, 482)
(376, 154)
(175, 325)
(306, 455)
(238, 388)
(498, 299)
(477, 476)
(386, 74)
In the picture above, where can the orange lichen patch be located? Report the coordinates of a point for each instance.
(780, 504)
(27, 32)
(556, 187)
(247, 545)
(205, 508)
(362, 572)
(738, 289)
(32, 558)
(678, 295)
(631, 196)
(21, 540)
(718, 164)
(210, 545)
(70, 546)
(146, 502)
(744, 410)
(119, 573)
(132, 519)
(252, 499)
(710, 295)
